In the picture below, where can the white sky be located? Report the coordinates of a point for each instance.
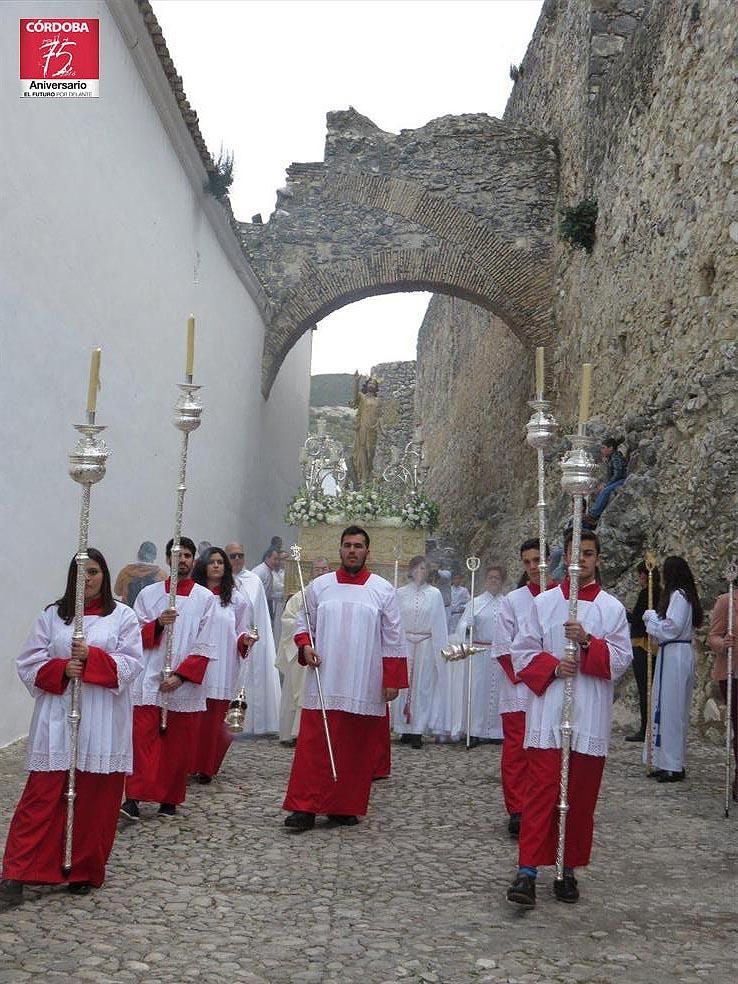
(262, 74)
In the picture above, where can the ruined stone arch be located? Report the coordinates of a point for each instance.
(465, 207)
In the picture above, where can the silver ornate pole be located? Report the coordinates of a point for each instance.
(540, 430)
(86, 466)
(650, 562)
(730, 574)
(186, 418)
(296, 552)
(472, 564)
(578, 479)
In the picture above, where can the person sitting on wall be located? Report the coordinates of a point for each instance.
(616, 470)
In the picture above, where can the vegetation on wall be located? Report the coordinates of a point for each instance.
(578, 224)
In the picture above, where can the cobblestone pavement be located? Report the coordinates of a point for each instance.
(415, 893)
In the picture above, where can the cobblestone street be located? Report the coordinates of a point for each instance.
(415, 893)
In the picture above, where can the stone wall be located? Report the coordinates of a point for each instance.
(654, 306)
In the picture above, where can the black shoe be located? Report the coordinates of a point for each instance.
(416, 741)
(79, 888)
(672, 776)
(203, 778)
(656, 774)
(342, 820)
(405, 739)
(513, 825)
(639, 737)
(168, 810)
(522, 891)
(11, 894)
(300, 821)
(130, 810)
(473, 742)
(566, 889)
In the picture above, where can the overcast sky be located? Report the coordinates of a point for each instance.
(262, 74)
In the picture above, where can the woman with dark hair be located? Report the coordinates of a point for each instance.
(230, 624)
(678, 613)
(106, 661)
(639, 642)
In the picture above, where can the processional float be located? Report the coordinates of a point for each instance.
(296, 552)
(86, 466)
(186, 419)
(578, 478)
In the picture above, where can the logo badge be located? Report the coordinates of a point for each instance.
(60, 58)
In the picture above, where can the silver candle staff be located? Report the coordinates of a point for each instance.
(472, 565)
(186, 419)
(296, 552)
(650, 562)
(578, 478)
(86, 466)
(540, 431)
(730, 574)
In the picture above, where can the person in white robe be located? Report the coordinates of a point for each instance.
(262, 677)
(672, 626)
(231, 626)
(106, 662)
(360, 650)
(514, 695)
(487, 675)
(161, 760)
(601, 634)
(278, 600)
(459, 599)
(424, 621)
(288, 665)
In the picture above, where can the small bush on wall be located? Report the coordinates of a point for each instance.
(578, 224)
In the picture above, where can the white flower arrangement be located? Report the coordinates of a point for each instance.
(308, 508)
(420, 513)
(367, 503)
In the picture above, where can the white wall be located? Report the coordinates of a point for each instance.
(101, 232)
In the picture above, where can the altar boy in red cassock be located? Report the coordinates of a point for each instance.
(360, 649)
(161, 761)
(604, 654)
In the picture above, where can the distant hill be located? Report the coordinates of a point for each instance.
(332, 389)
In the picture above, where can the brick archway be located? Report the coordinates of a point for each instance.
(465, 207)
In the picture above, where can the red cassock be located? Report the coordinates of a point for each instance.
(364, 608)
(212, 740)
(34, 848)
(383, 768)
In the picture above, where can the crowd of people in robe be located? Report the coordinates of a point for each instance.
(357, 660)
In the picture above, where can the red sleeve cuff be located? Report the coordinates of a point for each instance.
(243, 645)
(394, 673)
(100, 669)
(539, 673)
(302, 639)
(150, 634)
(595, 660)
(507, 665)
(50, 677)
(192, 669)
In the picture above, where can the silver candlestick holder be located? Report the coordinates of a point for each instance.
(87, 464)
(578, 478)
(540, 432)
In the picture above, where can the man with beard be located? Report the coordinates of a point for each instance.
(360, 649)
(161, 760)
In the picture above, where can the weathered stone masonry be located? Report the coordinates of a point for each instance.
(463, 206)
